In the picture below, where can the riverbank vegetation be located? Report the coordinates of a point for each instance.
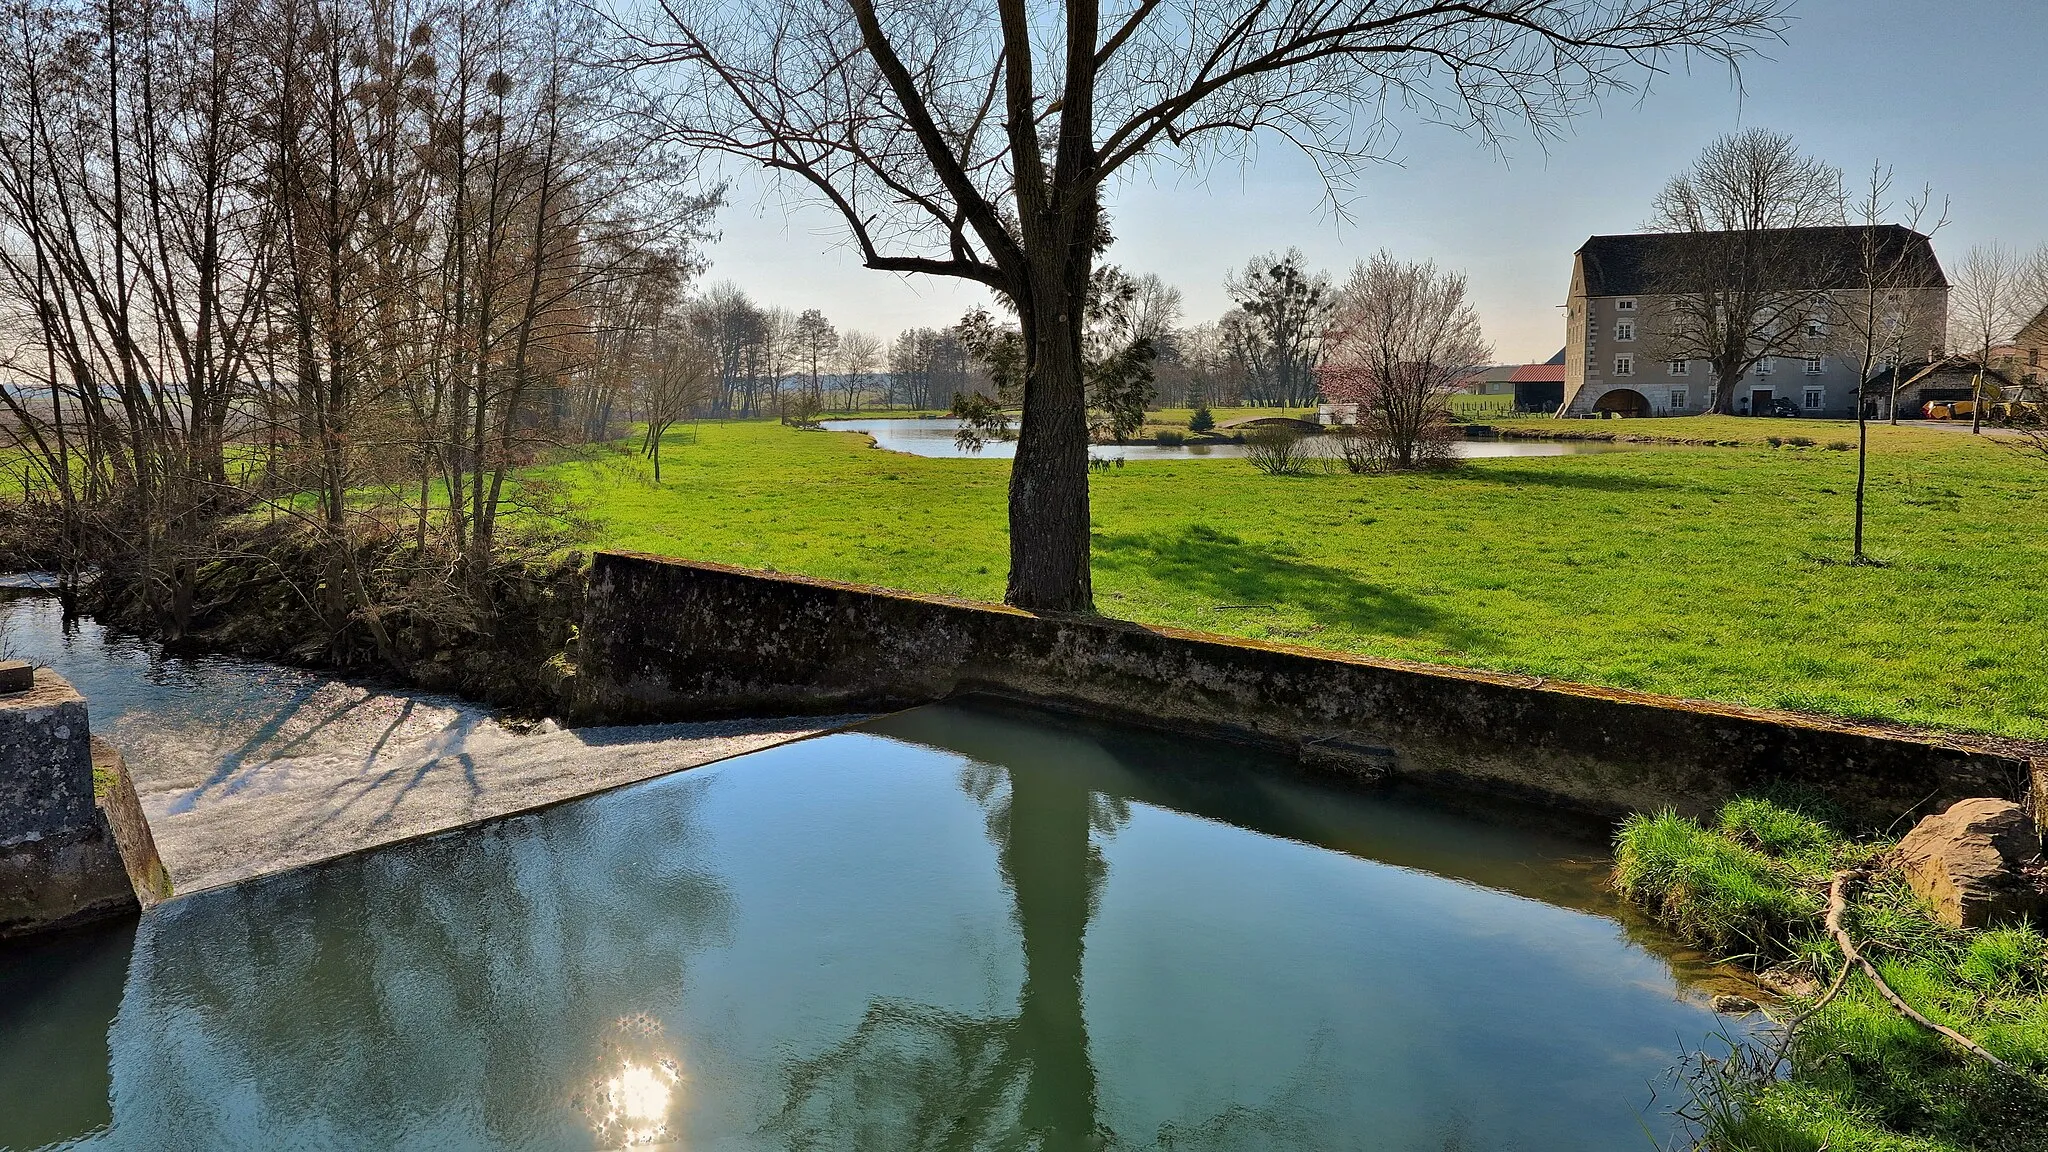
(1714, 573)
(1845, 1070)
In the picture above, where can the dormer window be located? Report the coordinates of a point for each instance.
(1625, 305)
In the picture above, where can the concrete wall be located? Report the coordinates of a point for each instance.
(69, 853)
(665, 639)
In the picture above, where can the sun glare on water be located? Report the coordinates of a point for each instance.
(636, 1104)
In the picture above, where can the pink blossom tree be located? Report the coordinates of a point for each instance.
(1402, 339)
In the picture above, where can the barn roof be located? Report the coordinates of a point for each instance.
(1642, 264)
(1539, 374)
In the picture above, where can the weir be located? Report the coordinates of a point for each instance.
(667, 639)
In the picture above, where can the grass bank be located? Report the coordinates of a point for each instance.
(1856, 1074)
(1713, 573)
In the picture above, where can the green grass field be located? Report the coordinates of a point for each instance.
(1716, 573)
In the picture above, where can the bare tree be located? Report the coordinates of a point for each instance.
(1886, 308)
(682, 374)
(1987, 304)
(977, 140)
(859, 354)
(1738, 289)
(1402, 339)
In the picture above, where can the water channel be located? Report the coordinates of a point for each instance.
(920, 437)
(963, 926)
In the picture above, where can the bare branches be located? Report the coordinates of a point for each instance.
(1403, 337)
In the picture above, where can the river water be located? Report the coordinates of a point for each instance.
(935, 438)
(962, 926)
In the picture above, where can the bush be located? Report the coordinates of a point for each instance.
(1839, 446)
(1203, 420)
(1168, 438)
(1775, 441)
(1277, 449)
(1799, 441)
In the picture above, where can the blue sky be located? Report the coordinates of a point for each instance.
(1947, 92)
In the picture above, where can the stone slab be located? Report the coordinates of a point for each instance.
(270, 815)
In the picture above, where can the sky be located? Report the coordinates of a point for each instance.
(1948, 93)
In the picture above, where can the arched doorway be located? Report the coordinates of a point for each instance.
(1623, 402)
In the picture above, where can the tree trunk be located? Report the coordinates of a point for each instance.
(1049, 478)
(1724, 394)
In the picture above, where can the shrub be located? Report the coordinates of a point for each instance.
(1168, 438)
(1839, 446)
(1799, 441)
(1775, 441)
(1276, 449)
(1203, 420)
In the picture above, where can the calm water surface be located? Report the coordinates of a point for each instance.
(935, 438)
(966, 926)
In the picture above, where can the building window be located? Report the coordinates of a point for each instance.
(1624, 305)
(1678, 368)
(1813, 364)
(1765, 366)
(1813, 398)
(1625, 364)
(2033, 357)
(1626, 330)
(1677, 398)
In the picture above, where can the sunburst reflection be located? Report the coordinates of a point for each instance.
(636, 1095)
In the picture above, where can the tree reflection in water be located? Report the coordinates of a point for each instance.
(455, 990)
(916, 1077)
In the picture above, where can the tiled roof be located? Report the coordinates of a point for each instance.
(1539, 374)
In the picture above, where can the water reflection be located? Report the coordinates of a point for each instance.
(966, 928)
(58, 997)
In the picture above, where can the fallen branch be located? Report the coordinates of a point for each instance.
(1838, 905)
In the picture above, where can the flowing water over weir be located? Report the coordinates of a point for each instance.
(962, 926)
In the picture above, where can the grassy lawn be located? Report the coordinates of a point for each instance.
(1714, 573)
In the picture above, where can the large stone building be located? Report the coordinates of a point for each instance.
(1619, 326)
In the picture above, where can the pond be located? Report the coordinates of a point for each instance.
(966, 925)
(919, 437)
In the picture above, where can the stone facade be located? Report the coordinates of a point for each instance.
(1619, 350)
(669, 640)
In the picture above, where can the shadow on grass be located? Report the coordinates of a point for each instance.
(1519, 477)
(1232, 572)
